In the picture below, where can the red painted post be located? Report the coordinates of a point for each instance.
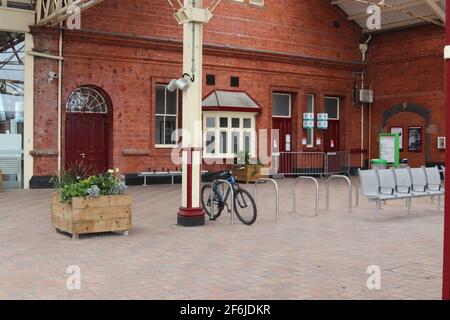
(446, 270)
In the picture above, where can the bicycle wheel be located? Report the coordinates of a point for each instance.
(245, 207)
(210, 206)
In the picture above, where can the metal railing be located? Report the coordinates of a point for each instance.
(277, 194)
(338, 163)
(311, 163)
(295, 193)
(211, 197)
(350, 190)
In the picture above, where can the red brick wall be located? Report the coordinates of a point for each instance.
(408, 67)
(128, 67)
(298, 27)
(45, 106)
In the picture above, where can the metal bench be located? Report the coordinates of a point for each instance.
(168, 173)
(370, 188)
(380, 185)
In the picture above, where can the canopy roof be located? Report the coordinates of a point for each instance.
(221, 100)
(395, 13)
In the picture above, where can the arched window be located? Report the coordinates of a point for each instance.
(86, 100)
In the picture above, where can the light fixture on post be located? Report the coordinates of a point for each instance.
(180, 84)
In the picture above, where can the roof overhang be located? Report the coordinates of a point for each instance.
(235, 101)
(395, 14)
(16, 20)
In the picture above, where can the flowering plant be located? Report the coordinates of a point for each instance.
(72, 184)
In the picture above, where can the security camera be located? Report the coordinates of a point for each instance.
(52, 76)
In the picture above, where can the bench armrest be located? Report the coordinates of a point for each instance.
(423, 187)
(435, 185)
(406, 187)
(392, 190)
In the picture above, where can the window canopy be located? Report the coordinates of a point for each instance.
(221, 100)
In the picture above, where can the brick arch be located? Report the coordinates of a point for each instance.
(422, 111)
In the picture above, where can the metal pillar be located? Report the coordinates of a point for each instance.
(446, 267)
(192, 16)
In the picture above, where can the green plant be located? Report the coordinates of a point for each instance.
(72, 185)
(244, 158)
(75, 172)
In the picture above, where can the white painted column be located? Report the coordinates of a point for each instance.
(28, 112)
(191, 212)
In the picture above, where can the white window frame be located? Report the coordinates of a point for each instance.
(261, 3)
(170, 145)
(311, 145)
(290, 104)
(230, 130)
(338, 99)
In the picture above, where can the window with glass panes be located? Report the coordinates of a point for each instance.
(166, 116)
(228, 134)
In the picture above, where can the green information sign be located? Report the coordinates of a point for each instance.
(390, 148)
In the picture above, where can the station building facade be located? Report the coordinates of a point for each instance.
(265, 65)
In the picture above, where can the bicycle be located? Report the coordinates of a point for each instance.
(244, 204)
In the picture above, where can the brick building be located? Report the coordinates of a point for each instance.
(282, 58)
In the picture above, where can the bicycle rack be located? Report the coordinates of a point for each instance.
(232, 197)
(358, 183)
(277, 200)
(350, 203)
(295, 193)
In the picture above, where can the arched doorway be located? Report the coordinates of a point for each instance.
(414, 126)
(88, 128)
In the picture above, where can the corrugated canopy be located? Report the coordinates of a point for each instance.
(395, 13)
(221, 100)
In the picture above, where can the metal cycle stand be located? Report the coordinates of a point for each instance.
(358, 183)
(232, 197)
(350, 204)
(295, 194)
(277, 200)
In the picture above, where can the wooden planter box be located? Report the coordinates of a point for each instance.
(103, 214)
(251, 173)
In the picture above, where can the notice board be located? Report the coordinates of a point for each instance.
(390, 148)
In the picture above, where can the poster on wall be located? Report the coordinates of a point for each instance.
(441, 143)
(399, 131)
(415, 139)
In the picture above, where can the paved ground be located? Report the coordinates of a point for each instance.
(298, 257)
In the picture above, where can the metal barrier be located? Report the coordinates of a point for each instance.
(277, 200)
(232, 197)
(338, 163)
(295, 193)
(300, 163)
(311, 163)
(350, 202)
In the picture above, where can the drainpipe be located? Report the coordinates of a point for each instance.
(60, 59)
(363, 47)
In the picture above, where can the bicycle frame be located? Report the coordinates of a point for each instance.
(223, 198)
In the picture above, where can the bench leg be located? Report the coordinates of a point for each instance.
(439, 204)
(377, 208)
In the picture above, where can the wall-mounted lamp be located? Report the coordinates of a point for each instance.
(181, 84)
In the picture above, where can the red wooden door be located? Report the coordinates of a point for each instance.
(332, 145)
(284, 142)
(87, 139)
